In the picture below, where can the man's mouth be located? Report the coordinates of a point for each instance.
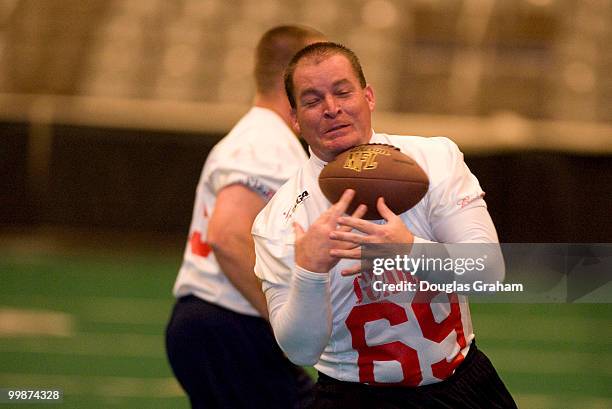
(336, 127)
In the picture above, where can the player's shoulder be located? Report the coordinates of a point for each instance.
(437, 146)
(437, 155)
(259, 142)
(275, 218)
(257, 130)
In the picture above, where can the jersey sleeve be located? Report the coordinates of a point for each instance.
(298, 302)
(454, 192)
(250, 166)
(274, 243)
(458, 214)
(273, 262)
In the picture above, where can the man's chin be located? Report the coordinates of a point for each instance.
(343, 149)
(343, 144)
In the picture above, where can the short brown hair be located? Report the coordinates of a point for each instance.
(274, 51)
(321, 50)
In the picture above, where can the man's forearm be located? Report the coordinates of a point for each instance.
(236, 261)
(229, 235)
(301, 316)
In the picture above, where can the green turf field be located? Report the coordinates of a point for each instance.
(93, 326)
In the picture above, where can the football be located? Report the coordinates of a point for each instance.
(373, 171)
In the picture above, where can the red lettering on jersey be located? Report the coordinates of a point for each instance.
(396, 314)
(363, 283)
(392, 351)
(438, 331)
(199, 247)
(357, 290)
(443, 369)
(389, 278)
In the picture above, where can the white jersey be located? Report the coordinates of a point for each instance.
(260, 152)
(374, 338)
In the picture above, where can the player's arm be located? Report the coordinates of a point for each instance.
(300, 315)
(229, 235)
(299, 303)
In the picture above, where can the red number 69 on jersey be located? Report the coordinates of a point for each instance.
(431, 329)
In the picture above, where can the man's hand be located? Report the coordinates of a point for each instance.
(313, 248)
(394, 231)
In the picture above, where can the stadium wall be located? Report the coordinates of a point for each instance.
(144, 180)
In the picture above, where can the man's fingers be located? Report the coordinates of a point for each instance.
(354, 253)
(358, 213)
(348, 236)
(363, 226)
(384, 211)
(352, 270)
(339, 208)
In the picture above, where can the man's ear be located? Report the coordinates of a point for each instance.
(294, 122)
(369, 95)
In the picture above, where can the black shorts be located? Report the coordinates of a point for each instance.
(475, 384)
(223, 359)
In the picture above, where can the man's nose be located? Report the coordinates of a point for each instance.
(332, 107)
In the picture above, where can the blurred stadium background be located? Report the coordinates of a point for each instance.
(108, 109)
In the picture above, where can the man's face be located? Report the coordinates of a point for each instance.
(333, 112)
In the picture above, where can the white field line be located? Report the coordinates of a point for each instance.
(22, 322)
(108, 386)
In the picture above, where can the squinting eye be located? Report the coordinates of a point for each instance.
(311, 102)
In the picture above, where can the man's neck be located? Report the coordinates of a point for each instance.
(275, 102)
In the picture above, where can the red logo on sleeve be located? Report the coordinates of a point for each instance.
(199, 247)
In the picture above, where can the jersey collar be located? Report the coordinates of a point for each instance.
(317, 162)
